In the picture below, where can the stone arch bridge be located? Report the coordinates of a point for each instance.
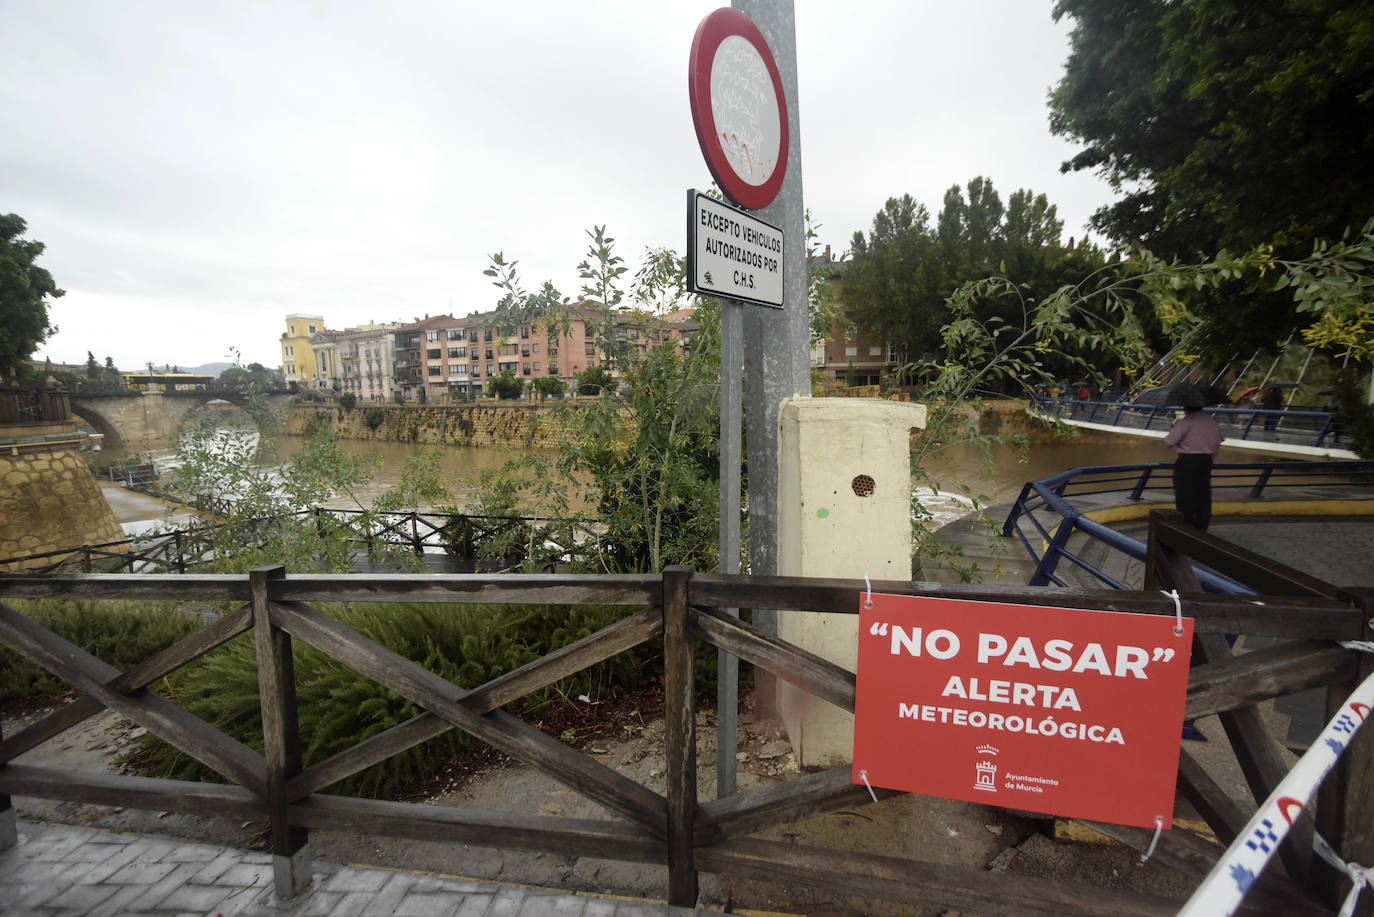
(141, 421)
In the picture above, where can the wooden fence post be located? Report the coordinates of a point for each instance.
(291, 863)
(679, 697)
(9, 830)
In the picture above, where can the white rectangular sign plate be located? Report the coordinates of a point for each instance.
(731, 254)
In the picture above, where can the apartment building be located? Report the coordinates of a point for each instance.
(366, 357)
(441, 357)
(849, 355)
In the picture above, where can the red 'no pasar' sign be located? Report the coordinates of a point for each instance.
(1054, 710)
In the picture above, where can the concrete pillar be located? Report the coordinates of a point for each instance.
(844, 499)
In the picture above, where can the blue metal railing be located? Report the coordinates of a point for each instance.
(1301, 426)
(1054, 494)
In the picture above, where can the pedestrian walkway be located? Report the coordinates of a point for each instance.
(61, 871)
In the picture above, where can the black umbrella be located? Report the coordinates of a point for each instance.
(1165, 395)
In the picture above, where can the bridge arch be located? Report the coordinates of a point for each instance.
(144, 421)
(92, 417)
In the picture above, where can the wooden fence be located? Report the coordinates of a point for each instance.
(676, 829)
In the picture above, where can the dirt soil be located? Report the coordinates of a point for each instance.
(627, 736)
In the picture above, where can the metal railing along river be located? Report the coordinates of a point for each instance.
(1299, 426)
(1051, 508)
(550, 542)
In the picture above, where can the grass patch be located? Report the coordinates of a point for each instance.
(120, 633)
(466, 644)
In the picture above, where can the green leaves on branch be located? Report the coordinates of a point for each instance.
(1331, 289)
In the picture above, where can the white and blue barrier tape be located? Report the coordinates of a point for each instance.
(1221, 892)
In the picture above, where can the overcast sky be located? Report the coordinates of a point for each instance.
(199, 170)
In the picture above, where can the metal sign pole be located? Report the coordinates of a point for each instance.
(727, 669)
(777, 345)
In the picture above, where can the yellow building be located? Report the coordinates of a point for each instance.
(299, 363)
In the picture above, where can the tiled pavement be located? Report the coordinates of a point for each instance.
(61, 871)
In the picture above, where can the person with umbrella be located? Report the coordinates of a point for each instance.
(1195, 438)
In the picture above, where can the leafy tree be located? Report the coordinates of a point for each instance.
(25, 289)
(895, 283)
(111, 371)
(347, 400)
(594, 380)
(1225, 125)
(549, 386)
(92, 367)
(648, 461)
(900, 276)
(506, 386)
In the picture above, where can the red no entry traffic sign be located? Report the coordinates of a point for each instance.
(739, 108)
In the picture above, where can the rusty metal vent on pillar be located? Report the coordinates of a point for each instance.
(863, 485)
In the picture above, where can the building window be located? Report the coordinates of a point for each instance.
(524, 331)
(431, 337)
(458, 369)
(436, 370)
(536, 366)
(433, 353)
(486, 334)
(511, 367)
(472, 336)
(312, 329)
(509, 350)
(455, 334)
(491, 354)
(489, 372)
(875, 351)
(535, 347)
(851, 351)
(591, 350)
(457, 352)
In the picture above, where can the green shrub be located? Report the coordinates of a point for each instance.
(506, 386)
(549, 386)
(347, 400)
(338, 707)
(373, 417)
(120, 633)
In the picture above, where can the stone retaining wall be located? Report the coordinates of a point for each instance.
(521, 426)
(49, 501)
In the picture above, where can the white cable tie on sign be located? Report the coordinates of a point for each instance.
(1358, 877)
(1150, 850)
(868, 599)
(1364, 646)
(1178, 610)
(863, 775)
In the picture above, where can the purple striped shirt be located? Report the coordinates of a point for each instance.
(1194, 434)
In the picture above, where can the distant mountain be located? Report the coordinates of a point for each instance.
(209, 369)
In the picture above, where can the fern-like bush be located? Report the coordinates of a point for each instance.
(120, 633)
(466, 644)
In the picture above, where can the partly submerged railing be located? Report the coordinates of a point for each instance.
(1048, 509)
(1299, 426)
(512, 539)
